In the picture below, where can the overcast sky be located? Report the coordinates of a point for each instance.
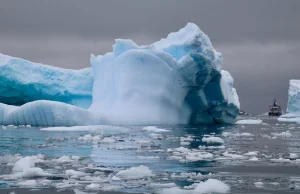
(259, 39)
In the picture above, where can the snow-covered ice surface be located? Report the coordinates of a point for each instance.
(177, 80)
(255, 158)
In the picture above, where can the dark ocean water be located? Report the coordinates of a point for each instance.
(261, 158)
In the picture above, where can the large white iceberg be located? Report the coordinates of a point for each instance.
(177, 80)
(22, 81)
(293, 107)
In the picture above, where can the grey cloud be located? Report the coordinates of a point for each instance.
(223, 20)
(62, 51)
(259, 39)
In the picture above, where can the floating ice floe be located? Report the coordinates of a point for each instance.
(233, 156)
(74, 173)
(93, 187)
(253, 153)
(228, 134)
(189, 155)
(155, 129)
(285, 134)
(25, 168)
(156, 136)
(162, 185)
(259, 184)
(185, 141)
(249, 122)
(213, 140)
(24, 163)
(148, 157)
(293, 156)
(28, 183)
(254, 159)
(209, 186)
(66, 159)
(139, 172)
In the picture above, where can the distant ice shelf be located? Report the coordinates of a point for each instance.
(177, 80)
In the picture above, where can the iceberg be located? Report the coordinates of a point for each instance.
(177, 80)
(294, 97)
(293, 107)
(22, 81)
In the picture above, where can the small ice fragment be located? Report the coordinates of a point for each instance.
(28, 183)
(92, 187)
(293, 156)
(155, 129)
(75, 173)
(259, 184)
(212, 140)
(253, 159)
(135, 173)
(249, 122)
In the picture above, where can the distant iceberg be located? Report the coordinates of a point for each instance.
(293, 107)
(22, 81)
(177, 80)
(294, 97)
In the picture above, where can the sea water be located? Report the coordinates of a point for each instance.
(247, 157)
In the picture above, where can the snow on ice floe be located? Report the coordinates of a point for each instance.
(259, 184)
(293, 156)
(213, 140)
(284, 134)
(28, 183)
(249, 122)
(155, 129)
(290, 118)
(135, 173)
(177, 80)
(184, 155)
(25, 168)
(209, 186)
(228, 134)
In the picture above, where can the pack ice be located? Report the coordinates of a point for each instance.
(175, 80)
(293, 107)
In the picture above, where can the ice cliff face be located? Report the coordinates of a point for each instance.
(22, 81)
(175, 80)
(294, 97)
